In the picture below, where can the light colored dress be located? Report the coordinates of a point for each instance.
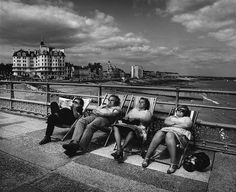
(183, 135)
(140, 130)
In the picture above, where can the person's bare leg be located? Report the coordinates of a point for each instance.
(171, 145)
(158, 137)
(128, 138)
(117, 138)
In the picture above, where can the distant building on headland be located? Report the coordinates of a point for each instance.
(136, 71)
(113, 72)
(89, 72)
(46, 63)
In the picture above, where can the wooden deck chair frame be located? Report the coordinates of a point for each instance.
(193, 115)
(109, 129)
(134, 102)
(64, 102)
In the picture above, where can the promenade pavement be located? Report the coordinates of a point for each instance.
(27, 166)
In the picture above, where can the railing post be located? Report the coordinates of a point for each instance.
(47, 95)
(177, 97)
(99, 95)
(11, 95)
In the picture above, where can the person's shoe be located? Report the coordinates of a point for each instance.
(120, 157)
(70, 153)
(45, 140)
(71, 146)
(172, 168)
(145, 162)
(115, 155)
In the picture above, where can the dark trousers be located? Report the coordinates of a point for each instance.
(64, 116)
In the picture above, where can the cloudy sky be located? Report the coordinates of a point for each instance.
(191, 37)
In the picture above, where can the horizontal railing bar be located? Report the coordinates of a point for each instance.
(232, 152)
(29, 101)
(164, 102)
(217, 142)
(74, 95)
(209, 106)
(26, 91)
(216, 125)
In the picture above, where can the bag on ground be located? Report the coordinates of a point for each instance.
(197, 161)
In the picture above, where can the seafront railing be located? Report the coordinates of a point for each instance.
(33, 98)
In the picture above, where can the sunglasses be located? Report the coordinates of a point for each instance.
(181, 110)
(76, 102)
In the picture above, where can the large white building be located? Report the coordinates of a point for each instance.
(46, 62)
(136, 71)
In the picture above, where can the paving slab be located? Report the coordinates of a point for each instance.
(26, 147)
(104, 180)
(223, 176)
(12, 125)
(54, 183)
(14, 172)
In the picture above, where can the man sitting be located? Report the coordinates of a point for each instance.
(101, 117)
(62, 116)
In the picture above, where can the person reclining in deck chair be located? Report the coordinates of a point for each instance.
(101, 117)
(176, 129)
(62, 116)
(132, 125)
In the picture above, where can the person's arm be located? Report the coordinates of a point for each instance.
(113, 113)
(144, 118)
(169, 121)
(184, 123)
(76, 112)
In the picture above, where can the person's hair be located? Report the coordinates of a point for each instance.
(146, 102)
(117, 102)
(80, 100)
(54, 107)
(184, 109)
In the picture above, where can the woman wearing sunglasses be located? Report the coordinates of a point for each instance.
(175, 130)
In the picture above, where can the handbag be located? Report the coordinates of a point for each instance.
(197, 161)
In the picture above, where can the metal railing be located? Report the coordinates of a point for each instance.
(209, 134)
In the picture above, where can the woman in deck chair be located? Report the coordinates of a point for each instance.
(62, 116)
(132, 125)
(176, 129)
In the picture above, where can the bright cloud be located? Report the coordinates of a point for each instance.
(220, 14)
(225, 35)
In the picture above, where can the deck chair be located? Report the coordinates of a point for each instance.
(134, 102)
(67, 103)
(109, 129)
(180, 152)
